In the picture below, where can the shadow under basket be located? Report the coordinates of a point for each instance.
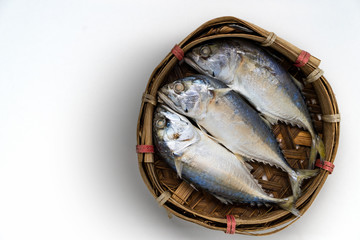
(197, 206)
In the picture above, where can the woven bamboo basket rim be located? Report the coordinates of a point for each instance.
(277, 219)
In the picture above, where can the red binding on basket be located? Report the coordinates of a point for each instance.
(145, 148)
(326, 165)
(178, 52)
(302, 59)
(231, 224)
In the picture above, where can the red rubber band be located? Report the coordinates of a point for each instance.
(231, 224)
(228, 227)
(178, 52)
(326, 165)
(145, 148)
(302, 59)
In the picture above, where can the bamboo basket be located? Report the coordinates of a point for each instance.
(181, 200)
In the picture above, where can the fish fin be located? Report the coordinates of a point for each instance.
(178, 166)
(220, 92)
(249, 166)
(265, 120)
(223, 200)
(297, 178)
(317, 146)
(203, 130)
(193, 186)
(297, 83)
(289, 205)
(160, 101)
(270, 119)
(241, 28)
(243, 161)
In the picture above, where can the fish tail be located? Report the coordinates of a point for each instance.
(298, 177)
(317, 146)
(289, 205)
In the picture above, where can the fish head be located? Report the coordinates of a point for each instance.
(189, 96)
(215, 59)
(173, 131)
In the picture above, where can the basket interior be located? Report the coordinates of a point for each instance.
(295, 143)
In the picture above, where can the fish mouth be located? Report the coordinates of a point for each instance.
(167, 108)
(189, 60)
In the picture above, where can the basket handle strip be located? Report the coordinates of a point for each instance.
(302, 59)
(269, 40)
(163, 198)
(333, 118)
(231, 224)
(314, 75)
(149, 98)
(326, 165)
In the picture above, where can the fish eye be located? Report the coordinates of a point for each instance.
(179, 87)
(160, 123)
(205, 51)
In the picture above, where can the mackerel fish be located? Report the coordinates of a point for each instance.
(203, 162)
(255, 74)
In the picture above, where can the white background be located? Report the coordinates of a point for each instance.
(71, 78)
